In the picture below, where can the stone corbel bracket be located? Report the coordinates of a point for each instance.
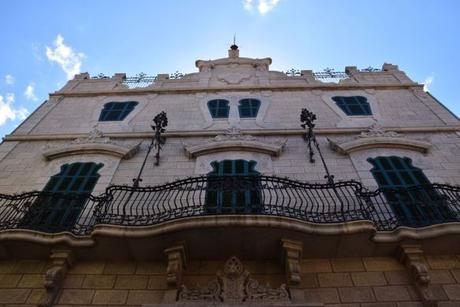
(61, 261)
(411, 255)
(346, 148)
(177, 262)
(291, 255)
(118, 151)
(234, 145)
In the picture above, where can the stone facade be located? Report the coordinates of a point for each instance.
(317, 265)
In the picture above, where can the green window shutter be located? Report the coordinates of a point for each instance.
(116, 111)
(219, 108)
(353, 105)
(248, 108)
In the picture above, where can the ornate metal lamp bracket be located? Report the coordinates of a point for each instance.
(307, 119)
(160, 121)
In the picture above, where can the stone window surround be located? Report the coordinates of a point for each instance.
(355, 120)
(123, 124)
(233, 117)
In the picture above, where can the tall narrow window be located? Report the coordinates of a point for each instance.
(55, 211)
(218, 108)
(233, 187)
(116, 111)
(408, 192)
(248, 108)
(354, 105)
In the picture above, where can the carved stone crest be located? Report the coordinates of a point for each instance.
(233, 134)
(234, 286)
(376, 130)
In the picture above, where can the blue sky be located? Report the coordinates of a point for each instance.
(45, 42)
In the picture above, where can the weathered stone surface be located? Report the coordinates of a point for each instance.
(115, 297)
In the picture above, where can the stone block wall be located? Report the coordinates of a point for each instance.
(360, 282)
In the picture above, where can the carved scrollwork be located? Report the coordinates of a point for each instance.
(234, 285)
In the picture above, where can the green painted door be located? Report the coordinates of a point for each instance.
(408, 191)
(59, 210)
(233, 186)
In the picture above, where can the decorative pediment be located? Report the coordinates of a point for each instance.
(94, 143)
(234, 286)
(234, 140)
(377, 137)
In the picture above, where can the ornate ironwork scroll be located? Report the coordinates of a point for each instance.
(307, 119)
(234, 285)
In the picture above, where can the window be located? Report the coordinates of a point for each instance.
(408, 191)
(59, 212)
(218, 108)
(354, 105)
(248, 108)
(116, 111)
(233, 186)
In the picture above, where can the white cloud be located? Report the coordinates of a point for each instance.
(30, 92)
(7, 110)
(263, 6)
(427, 83)
(247, 4)
(69, 60)
(9, 79)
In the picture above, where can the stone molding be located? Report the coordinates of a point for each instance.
(234, 285)
(61, 261)
(346, 148)
(207, 133)
(234, 140)
(94, 143)
(85, 149)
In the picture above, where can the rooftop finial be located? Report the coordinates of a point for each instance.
(234, 52)
(234, 46)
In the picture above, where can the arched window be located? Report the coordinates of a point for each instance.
(248, 108)
(218, 108)
(354, 105)
(116, 111)
(57, 212)
(408, 191)
(233, 186)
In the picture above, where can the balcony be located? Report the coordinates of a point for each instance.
(341, 202)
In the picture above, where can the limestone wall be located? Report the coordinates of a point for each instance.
(364, 282)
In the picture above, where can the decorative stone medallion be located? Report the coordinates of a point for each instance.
(234, 286)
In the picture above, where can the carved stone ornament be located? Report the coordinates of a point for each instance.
(375, 130)
(95, 143)
(291, 254)
(176, 263)
(55, 275)
(233, 134)
(411, 255)
(377, 137)
(234, 286)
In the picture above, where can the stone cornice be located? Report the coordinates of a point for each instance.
(195, 89)
(380, 142)
(252, 146)
(208, 133)
(80, 149)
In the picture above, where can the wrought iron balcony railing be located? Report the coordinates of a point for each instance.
(339, 202)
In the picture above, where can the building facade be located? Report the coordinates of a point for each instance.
(257, 187)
